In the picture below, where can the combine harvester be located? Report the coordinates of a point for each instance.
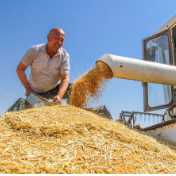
(157, 72)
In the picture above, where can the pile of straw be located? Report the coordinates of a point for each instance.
(90, 86)
(67, 139)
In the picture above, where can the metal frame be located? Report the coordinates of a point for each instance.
(131, 116)
(145, 90)
(159, 125)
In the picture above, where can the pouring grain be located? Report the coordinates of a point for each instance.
(91, 85)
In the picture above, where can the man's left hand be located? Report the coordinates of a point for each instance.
(57, 99)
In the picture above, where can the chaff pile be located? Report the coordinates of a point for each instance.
(91, 85)
(67, 139)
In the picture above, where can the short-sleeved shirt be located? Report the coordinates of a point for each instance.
(45, 71)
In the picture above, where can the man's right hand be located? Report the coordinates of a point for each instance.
(29, 90)
(23, 78)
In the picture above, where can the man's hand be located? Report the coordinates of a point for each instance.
(29, 90)
(62, 89)
(57, 99)
(23, 78)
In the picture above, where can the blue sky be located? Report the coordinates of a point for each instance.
(92, 28)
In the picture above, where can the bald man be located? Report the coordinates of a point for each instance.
(50, 68)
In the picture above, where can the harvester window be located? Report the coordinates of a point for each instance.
(157, 50)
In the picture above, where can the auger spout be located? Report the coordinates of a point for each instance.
(139, 70)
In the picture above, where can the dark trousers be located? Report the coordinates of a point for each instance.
(53, 92)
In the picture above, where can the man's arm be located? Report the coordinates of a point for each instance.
(23, 78)
(62, 88)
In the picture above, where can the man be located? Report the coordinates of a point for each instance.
(49, 68)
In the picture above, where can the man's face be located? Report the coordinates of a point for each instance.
(56, 40)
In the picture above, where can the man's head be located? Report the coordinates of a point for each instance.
(55, 38)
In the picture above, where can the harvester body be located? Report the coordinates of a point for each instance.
(157, 72)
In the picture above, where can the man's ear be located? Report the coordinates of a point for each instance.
(48, 37)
